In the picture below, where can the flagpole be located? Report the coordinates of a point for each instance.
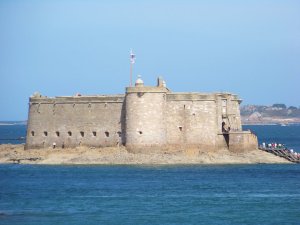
(132, 60)
(130, 74)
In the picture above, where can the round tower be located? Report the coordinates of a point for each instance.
(145, 117)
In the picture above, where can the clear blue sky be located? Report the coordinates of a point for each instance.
(61, 47)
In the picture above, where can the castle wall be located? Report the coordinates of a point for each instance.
(242, 141)
(191, 120)
(74, 121)
(234, 113)
(227, 111)
(145, 118)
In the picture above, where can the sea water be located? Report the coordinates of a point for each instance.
(287, 135)
(214, 194)
(12, 132)
(178, 194)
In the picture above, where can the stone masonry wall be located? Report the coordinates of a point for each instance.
(234, 113)
(242, 141)
(191, 121)
(74, 121)
(145, 119)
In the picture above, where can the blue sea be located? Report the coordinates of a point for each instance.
(12, 132)
(177, 194)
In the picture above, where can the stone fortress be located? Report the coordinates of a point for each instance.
(144, 119)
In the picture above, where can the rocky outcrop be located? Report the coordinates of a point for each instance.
(88, 155)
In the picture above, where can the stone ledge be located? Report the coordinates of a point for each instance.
(146, 89)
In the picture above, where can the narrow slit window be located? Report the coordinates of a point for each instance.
(32, 133)
(70, 133)
(57, 133)
(94, 133)
(106, 134)
(224, 106)
(180, 128)
(82, 133)
(45, 133)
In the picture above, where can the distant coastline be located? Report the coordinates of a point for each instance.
(276, 114)
(12, 123)
(271, 124)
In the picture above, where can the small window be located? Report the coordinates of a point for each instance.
(106, 134)
(82, 133)
(32, 133)
(224, 106)
(140, 132)
(45, 133)
(180, 128)
(94, 133)
(57, 133)
(69, 133)
(140, 94)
